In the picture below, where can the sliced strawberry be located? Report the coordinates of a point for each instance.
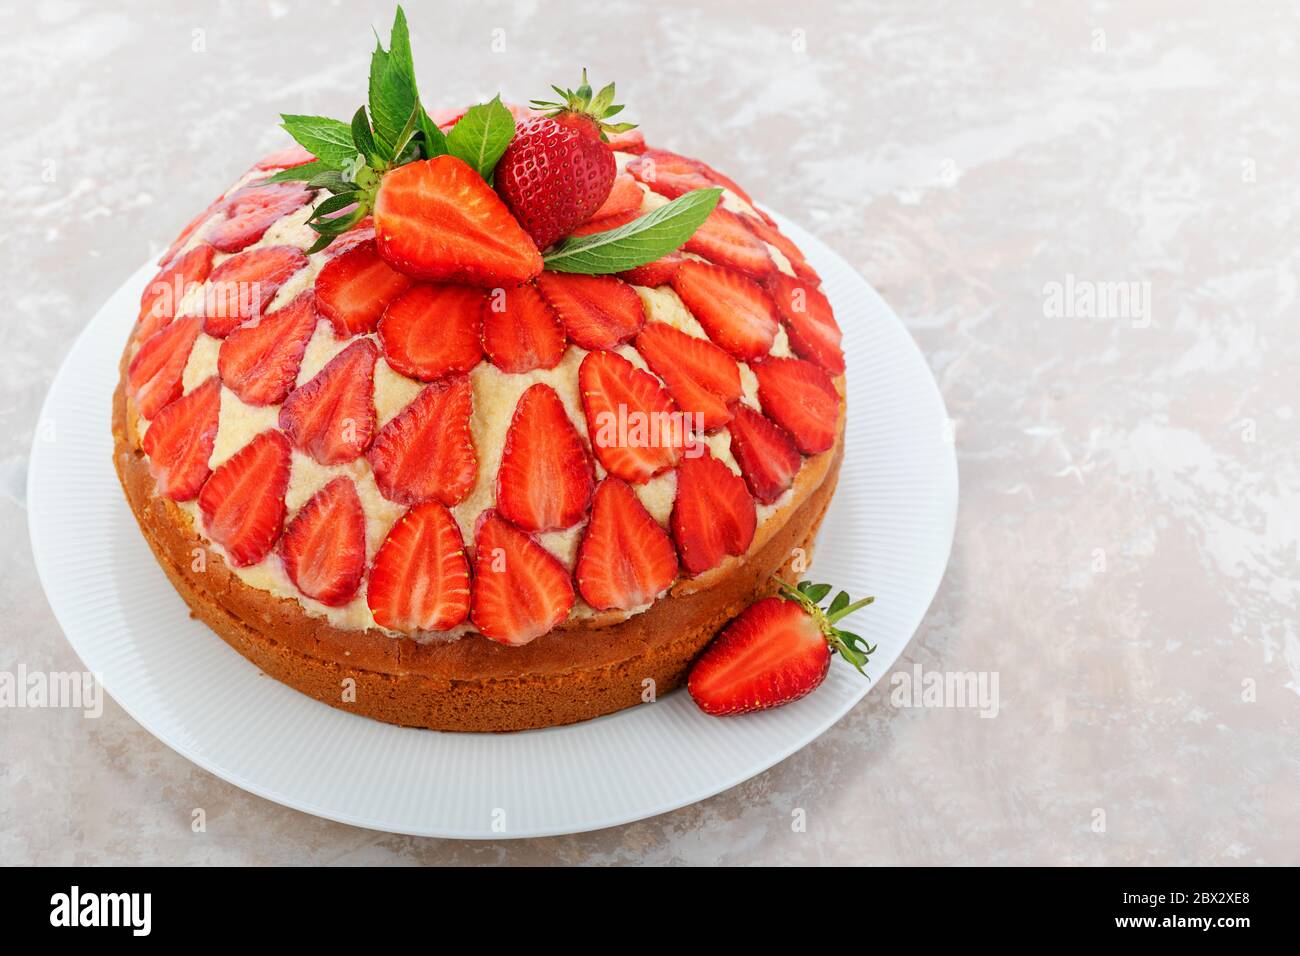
(809, 321)
(426, 450)
(624, 196)
(654, 274)
(605, 224)
(734, 310)
(250, 211)
(156, 371)
(713, 514)
(626, 559)
(520, 590)
(700, 377)
(774, 237)
(545, 480)
(259, 360)
(726, 182)
(332, 416)
(420, 578)
(521, 331)
(354, 288)
(629, 141)
(766, 453)
(324, 546)
(631, 419)
(801, 398)
(363, 231)
(431, 331)
(724, 239)
(667, 173)
(163, 295)
(598, 312)
(179, 441)
(287, 158)
(189, 230)
(772, 654)
(438, 220)
(243, 502)
(245, 285)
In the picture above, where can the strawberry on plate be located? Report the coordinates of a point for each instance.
(431, 331)
(252, 210)
(437, 220)
(713, 514)
(734, 310)
(700, 377)
(777, 651)
(654, 274)
(598, 312)
(631, 419)
(521, 590)
(521, 331)
(426, 450)
(545, 479)
(767, 455)
(154, 376)
(355, 287)
(163, 296)
(558, 171)
(259, 361)
(420, 578)
(245, 285)
(332, 416)
(801, 398)
(324, 546)
(243, 502)
(724, 239)
(809, 321)
(179, 442)
(626, 559)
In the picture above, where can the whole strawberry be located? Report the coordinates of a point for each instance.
(559, 169)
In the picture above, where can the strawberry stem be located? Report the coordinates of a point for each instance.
(848, 645)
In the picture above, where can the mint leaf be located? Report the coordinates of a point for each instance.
(482, 135)
(435, 141)
(392, 84)
(307, 172)
(329, 140)
(642, 240)
(364, 139)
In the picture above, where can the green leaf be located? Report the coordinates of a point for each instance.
(332, 205)
(364, 139)
(435, 141)
(840, 603)
(332, 180)
(307, 172)
(482, 135)
(329, 140)
(817, 592)
(392, 84)
(642, 240)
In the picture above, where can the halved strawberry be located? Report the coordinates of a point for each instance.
(420, 578)
(521, 331)
(163, 295)
(438, 220)
(324, 546)
(630, 417)
(724, 239)
(545, 480)
(605, 224)
(243, 502)
(777, 651)
(520, 590)
(154, 376)
(426, 450)
(287, 158)
(332, 416)
(624, 196)
(245, 285)
(654, 274)
(774, 237)
(809, 321)
(734, 310)
(801, 398)
(179, 441)
(700, 377)
(598, 312)
(250, 211)
(629, 141)
(713, 514)
(626, 559)
(259, 361)
(766, 453)
(667, 173)
(430, 331)
(355, 287)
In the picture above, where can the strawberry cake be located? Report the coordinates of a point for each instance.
(479, 420)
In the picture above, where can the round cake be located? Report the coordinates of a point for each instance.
(439, 496)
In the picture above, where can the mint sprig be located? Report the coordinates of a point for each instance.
(482, 135)
(644, 239)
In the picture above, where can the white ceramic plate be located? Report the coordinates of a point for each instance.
(888, 533)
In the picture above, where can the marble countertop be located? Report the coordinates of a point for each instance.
(1086, 213)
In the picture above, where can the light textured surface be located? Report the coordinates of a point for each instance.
(1129, 540)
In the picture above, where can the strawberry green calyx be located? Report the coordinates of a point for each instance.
(598, 108)
(848, 645)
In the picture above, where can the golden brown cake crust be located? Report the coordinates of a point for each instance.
(582, 670)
